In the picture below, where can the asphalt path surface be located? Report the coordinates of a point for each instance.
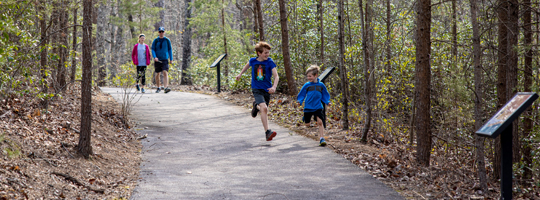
(200, 147)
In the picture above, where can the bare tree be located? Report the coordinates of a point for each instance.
(512, 68)
(225, 67)
(85, 147)
(367, 46)
(43, 48)
(478, 100)
(321, 29)
(343, 69)
(100, 37)
(501, 78)
(186, 54)
(528, 75)
(285, 47)
(62, 25)
(74, 57)
(423, 81)
(260, 19)
(388, 41)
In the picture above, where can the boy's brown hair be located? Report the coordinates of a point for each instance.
(313, 70)
(259, 47)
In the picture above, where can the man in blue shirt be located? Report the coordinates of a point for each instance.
(162, 53)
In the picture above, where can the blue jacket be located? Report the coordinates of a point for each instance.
(162, 50)
(317, 93)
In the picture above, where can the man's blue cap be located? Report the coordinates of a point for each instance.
(161, 29)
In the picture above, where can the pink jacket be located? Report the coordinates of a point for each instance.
(134, 55)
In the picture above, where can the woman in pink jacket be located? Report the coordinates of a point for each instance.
(141, 58)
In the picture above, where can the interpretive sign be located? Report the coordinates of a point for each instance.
(507, 114)
(326, 73)
(216, 64)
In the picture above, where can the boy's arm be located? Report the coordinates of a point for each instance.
(243, 70)
(276, 80)
(301, 95)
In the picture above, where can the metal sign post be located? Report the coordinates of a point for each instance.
(216, 64)
(501, 124)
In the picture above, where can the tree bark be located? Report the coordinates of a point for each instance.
(100, 50)
(501, 79)
(423, 82)
(225, 67)
(478, 100)
(260, 19)
(527, 85)
(74, 57)
(85, 147)
(255, 17)
(321, 29)
(186, 54)
(120, 46)
(160, 4)
(43, 53)
(388, 42)
(512, 68)
(285, 48)
(61, 67)
(368, 50)
(343, 69)
(131, 27)
(454, 31)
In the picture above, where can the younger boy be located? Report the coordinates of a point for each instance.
(262, 70)
(313, 93)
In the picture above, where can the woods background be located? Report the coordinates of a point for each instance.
(423, 74)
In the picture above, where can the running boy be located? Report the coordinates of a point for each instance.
(313, 93)
(262, 70)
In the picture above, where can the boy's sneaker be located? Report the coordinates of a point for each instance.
(142, 90)
(322, 142)
(158, 89)
(254, 111)
(270, 135)
(138, 88)
(167, 90)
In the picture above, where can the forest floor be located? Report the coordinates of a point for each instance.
(39, 159)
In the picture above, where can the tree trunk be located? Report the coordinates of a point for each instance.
(454, 32)
(423, 82)
(512, 68)
(285, 48)
(478, 101)
(260, 18)
(74, 57)
(343, 69)
(527, 85)
(321, 29)
(100, 50)
(501, 79)
(255, 17)
(44, 52)
(160, 23)
(62, 35)
(85, 147)
(120, 46)
(225, 67)
(367, 47)
(131, 27)
(186, 54)
(388, 42)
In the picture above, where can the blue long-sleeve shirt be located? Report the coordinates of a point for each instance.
(162, 49)
(317, 93)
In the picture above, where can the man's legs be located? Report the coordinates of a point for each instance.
(165, 79)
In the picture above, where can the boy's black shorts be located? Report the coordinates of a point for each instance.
(315, 114)
(261, 96)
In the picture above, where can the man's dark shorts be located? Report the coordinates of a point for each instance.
(317, 113)
(162, 65)
(261, 96)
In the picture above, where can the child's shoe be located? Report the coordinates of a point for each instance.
(138, 88)
(270, 135)
(158, 89)
(142, 90)
(254, 112)
(167, 90)
(322, 142)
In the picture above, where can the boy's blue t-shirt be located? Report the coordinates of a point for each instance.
(261, 73)
(313, 98)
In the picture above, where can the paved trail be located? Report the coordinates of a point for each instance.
(200, 147)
